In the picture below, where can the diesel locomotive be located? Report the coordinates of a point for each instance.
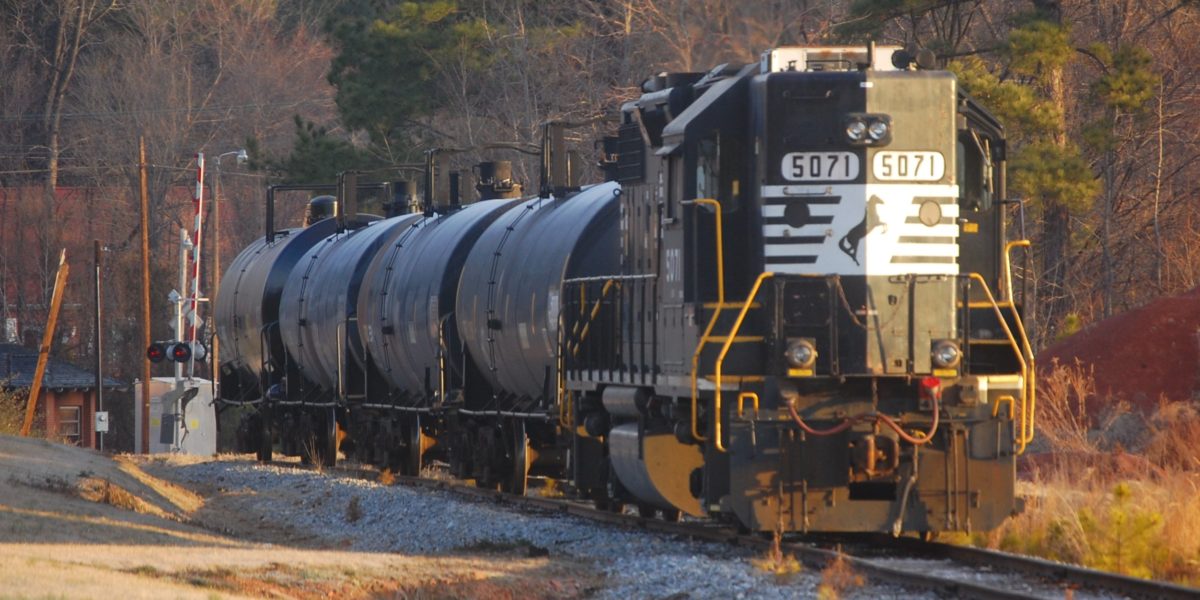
(789, 305)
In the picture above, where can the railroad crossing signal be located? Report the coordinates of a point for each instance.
(175, 351)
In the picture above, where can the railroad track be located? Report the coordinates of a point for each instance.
(944, 569)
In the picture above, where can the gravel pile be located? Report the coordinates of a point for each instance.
(368, 516)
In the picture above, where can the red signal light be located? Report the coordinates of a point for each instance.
(181, 352)
(156, 353)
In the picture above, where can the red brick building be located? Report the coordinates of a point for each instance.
(67, 402)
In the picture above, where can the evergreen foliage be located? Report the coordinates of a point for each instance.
(388, 61)
(318, 157)
(1123, 538)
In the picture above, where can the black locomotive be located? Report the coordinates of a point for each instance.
(789, 306)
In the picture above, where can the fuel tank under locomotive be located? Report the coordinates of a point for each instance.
(508, 302)
(408, 295)
(320, 299)
(248, 307)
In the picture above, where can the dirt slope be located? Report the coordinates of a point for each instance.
(78, 524)
(1140, 355)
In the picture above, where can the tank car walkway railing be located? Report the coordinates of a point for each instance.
(604, 326)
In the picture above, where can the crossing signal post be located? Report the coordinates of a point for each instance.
(183, 351)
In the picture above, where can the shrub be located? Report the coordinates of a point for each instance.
(1121, 537)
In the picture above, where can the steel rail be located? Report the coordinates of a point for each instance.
(1044, 573)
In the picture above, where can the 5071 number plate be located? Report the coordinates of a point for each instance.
(893, 165)
(820, 166)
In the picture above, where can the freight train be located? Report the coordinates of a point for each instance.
(789, 306)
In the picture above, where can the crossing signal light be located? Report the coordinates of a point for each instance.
(174, 351)
(156, 352)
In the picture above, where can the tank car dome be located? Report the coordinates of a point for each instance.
(320, 208)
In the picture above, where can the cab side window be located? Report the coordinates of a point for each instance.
(717, 170)
(974, 172)
(708, 168)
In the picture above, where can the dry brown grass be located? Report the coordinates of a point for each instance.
(1119, 492)
(1062, 419)
(550, 488)
(386, 477)
(104, 491)
(12, 412)
(780, 564)
(838, 578)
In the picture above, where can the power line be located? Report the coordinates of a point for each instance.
(32, 117)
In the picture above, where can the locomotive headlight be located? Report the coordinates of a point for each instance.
(946, 354)
(878, 130)
(856, 130)
(801, 353)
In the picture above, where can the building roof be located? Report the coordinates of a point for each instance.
(18, 364)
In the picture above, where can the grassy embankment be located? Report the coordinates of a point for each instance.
(1117, 491)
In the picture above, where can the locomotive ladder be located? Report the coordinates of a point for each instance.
(726, 340)
(1017, 340)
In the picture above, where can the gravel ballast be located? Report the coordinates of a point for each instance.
(367, 516)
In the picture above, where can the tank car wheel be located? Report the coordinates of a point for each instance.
(327, 439)
(646, 511)
(672, 515)
(414, 458)
(265, 447)
(519, 478)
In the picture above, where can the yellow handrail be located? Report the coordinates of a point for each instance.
(1025, 357)
(1008, 291)
(725, 350)
(1026, 435)
(720, 247)
(561, 382)
(742, 398)
(712, 321)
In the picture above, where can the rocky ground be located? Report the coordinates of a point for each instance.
(74, 523)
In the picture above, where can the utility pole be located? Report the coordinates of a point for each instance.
(99, 343)
(145, 197)
(60, 282)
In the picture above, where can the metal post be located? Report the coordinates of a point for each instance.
(194, 291)
(185, 245)
(216, 270)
